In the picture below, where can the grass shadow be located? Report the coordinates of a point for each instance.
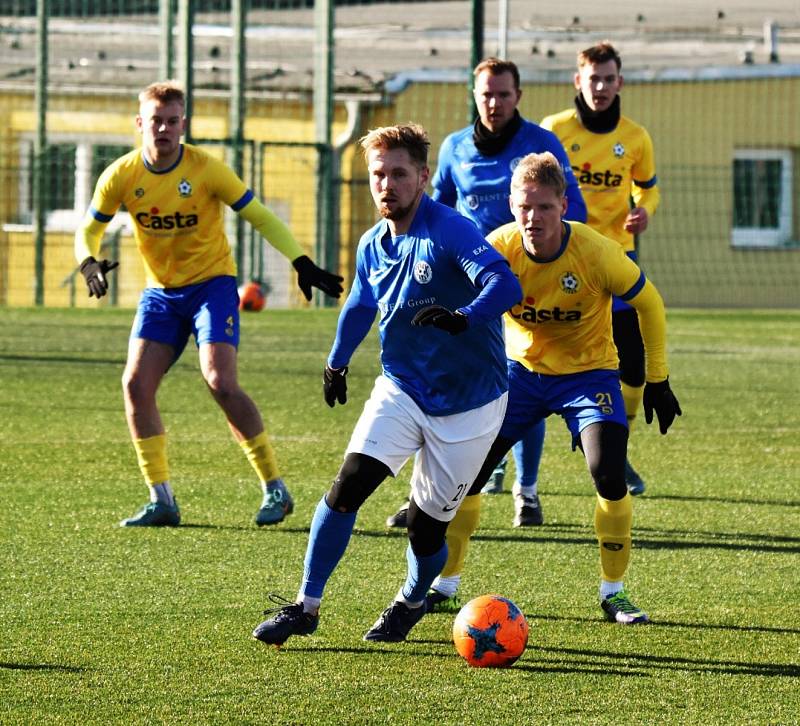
(40, 667)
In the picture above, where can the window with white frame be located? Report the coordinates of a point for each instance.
(72, 166)
(762, 198)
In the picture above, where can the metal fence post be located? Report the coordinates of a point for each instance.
(323, 116)
(186, 42)
(40, 152)
(166, 48)
(236, 113)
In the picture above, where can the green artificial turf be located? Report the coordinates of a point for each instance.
(108, 625)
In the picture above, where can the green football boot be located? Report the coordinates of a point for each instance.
(277, 503)
(154, 514)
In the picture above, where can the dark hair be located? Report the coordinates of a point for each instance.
(600, 53)
(411, 137)
(496, 67)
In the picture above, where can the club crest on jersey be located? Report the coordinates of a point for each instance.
(472, 201)
(619, 150)
(184, 188)
(139, 193)
(575, 147)
(570, 283)
(423, 273)
(513, 163)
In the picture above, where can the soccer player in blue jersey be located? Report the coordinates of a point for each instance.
(562, 359)
(175, 193)
(473, 176)
(439, 290)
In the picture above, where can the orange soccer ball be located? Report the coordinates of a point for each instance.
(490, 631)
(252, 297)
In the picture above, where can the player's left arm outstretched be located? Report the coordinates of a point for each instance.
(272, 229)
(658, 396)
(355, 320)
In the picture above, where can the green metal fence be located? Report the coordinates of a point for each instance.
(282, 90)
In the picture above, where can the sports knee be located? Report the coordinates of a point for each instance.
(425, 534)
(221, 387)
(609, 479)
(604, 445)
(358, 477)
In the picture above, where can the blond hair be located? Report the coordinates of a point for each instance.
(163, 92)
(541, 169)
(411, 137)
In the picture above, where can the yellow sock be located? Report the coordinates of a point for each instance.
(632, 395)
(458, 533)
(612, 523)
(261, 456)
(151, 453)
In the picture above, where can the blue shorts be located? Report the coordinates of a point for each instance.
(208, 310)
(617, 303)
(580, 398)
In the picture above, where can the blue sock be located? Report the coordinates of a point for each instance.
(422, 571)
(327, 541)
(528, 454)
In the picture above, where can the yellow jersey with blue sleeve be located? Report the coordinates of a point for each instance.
(563, 323)
(178, 216)
(611, 168)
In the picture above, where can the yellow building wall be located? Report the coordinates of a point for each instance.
(696, 127)
(288, 181)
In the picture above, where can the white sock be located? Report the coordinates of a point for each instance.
(401, 598)
(162, 493)
(519, 491)
(607, 589)
(265, 484)
(447, 585)
(310, 604)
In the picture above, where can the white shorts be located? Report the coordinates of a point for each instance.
(450, 449)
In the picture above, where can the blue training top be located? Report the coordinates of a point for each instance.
(441, 260)
(478, 186)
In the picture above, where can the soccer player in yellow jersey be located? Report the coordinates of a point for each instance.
(612, 158)
(175, 193)
(562, 360)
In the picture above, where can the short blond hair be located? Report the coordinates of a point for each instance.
(542, 169)
(411, 137)
(163, 92)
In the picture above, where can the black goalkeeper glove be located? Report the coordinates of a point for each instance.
(659, 397)
(95, 274)
(442, 318)
(309, 275)
(334, 385)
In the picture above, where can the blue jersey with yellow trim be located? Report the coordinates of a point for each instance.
(563, 324)
(436, 262)
(177, 213)
(478, 186)
(611, 168)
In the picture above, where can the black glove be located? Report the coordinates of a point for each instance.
(309, 275)
(334, 385)
(95, 274)
(659, 397)
(442, 318)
